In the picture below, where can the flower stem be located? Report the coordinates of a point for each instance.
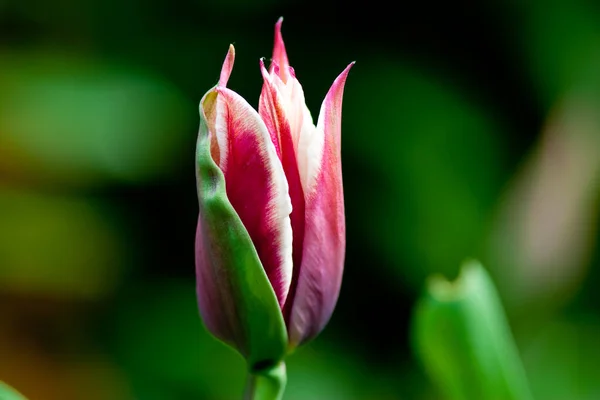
(266, 384)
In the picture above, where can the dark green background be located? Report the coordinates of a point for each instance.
(447, 112)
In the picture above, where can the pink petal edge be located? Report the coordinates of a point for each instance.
(258, 190)
(276, 118)
(227, 66)
(317, 289)
(280, 57)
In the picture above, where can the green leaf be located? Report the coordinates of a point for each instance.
(258, 316)
(83, 122)
(562, 358)
(463, 339)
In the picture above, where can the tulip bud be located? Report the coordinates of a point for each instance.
(270, 241)
(464, 342)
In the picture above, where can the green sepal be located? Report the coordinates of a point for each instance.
(262, 332)
(462, 337)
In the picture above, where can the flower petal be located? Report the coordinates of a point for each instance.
(219, 143)
(244, 231)
(280, 58)
(258, 190)
(276, 117)
(316, 291)
(227, 66)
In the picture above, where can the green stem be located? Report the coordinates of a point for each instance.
(266, 384)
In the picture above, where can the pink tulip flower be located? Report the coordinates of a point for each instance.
(270, 241)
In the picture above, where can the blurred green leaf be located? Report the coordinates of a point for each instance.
(562, 359)
(56, 245)
(8, 393)
(463, 339)
(82, 121)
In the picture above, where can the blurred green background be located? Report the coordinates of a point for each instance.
(470, 129)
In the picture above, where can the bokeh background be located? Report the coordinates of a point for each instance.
(470, 129)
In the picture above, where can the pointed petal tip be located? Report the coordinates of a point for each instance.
(341, 78)
(279, 52)
(278, 36)
(227, 66)
(344, 74)
(347, 69)
(263, 70)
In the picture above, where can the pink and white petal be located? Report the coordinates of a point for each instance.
(219, 145)
(287, 101)
(280, 57)
(317, 288)
(235, 297)
(300, 119)
(301, 122)
(275, 117)
(326, 137)
(227, 66)
(267, 108)
(302, 128)
(257, 188)
(310, 149)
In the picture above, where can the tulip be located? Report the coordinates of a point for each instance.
(270, 240)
